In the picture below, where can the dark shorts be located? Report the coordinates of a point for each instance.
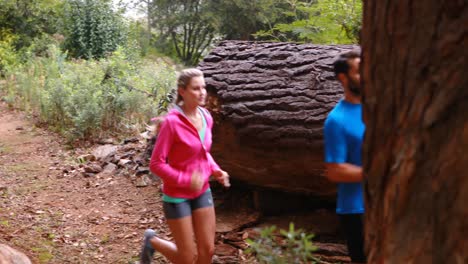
(353, 227)
(183, 209)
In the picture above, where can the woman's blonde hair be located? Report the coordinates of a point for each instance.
(184, 79)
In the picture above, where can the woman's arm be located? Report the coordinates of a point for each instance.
(158, 164)
(213, 165)
(222, 177)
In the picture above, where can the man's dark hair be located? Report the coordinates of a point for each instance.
(341, 64)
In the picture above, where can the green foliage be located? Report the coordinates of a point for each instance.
(85, 99)
(119, 91)
(30, 19)
(26, 27)
(140, 37)
(8, 56)
(94, 29)
(290, 246)
(187, 29)
(40, 46)
(188, 24)
(240, 19)
(320, 22)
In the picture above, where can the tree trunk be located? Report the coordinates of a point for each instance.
(269, 101)
(148, 20)
(416, 144)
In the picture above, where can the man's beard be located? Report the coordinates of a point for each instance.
(354, 87)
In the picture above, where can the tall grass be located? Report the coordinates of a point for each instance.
(90, 99)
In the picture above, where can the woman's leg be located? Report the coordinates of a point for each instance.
(204, 227)
(179, 219)
(184, 250)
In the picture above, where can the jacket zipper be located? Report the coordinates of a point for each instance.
(195, 129)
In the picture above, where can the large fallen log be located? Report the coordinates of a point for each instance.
(269, 101)
(9, 255)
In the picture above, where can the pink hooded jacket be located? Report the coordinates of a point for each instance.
(179, 152)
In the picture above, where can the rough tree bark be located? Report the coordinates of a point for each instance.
(269, 101)
(416, 143)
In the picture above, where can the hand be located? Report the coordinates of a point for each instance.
(197, 181)
(222, 177)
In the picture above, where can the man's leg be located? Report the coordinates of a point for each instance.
(353, 227)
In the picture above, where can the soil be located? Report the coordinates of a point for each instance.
(54, 216)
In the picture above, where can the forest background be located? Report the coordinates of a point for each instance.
(95, 68)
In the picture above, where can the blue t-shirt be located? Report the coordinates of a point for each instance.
(344, 133)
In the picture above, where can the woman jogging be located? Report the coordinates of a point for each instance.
(182, 159)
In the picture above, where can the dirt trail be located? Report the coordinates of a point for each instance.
(54, 217)
(57, 219)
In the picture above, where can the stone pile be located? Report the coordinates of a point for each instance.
(129, 158)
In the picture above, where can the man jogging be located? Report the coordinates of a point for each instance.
(344, 132)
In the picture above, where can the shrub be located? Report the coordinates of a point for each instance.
(94, 29)
(86, 99)
(286, 247)
(8, 56)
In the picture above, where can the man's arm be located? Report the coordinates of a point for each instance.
(343, 172)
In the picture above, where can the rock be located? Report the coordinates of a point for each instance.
(227, 260)
(88, 175)
(140, 160)
(269, 102)
(105, 151)
(107, 141)
(146, 135)
(110, 168)
(142, 171)
(67, 169)
(123, 162)
(225, 250)
(238, 244)
(155, 179)
(324, 259)
(92, 168)
(131, 140)
(128, 154)
(116, 158)
(142, 181)
(19, 128)
(149, 147)
(235, 236)
(331, 249)
(87, 157)
(235, 220)
(10, 255)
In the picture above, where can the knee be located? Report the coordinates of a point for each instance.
(188, 257)
(206, 251)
